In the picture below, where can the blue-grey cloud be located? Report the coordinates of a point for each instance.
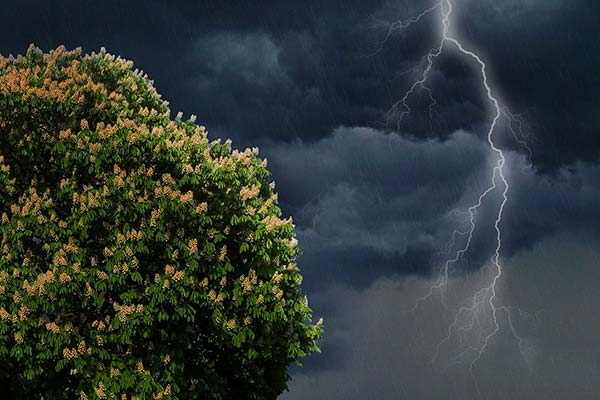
(306, 67)
(369, 203)
(380, 350)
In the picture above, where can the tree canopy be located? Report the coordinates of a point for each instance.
(138, 260)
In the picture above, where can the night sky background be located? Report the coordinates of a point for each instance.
(375, 202)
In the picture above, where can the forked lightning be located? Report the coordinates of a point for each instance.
(484, 300)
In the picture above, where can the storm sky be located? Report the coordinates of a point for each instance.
(376, 199)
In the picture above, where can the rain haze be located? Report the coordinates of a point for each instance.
(449, 234)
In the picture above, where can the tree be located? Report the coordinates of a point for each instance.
(138, 259)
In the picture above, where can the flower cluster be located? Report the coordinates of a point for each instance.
(124, 311)
(247, 193)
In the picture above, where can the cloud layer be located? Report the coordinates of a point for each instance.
(289, 70)
(384, 351)
(370, 204)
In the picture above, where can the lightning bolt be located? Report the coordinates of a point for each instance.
(486, 297)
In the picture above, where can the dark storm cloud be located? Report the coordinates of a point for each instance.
(542, 205)
(369, 204)
(383, 351)
(240, 84)
(291, 70)
(358, 271)
(545, 57)
(542, 58)
(332, 77)
(386, 166)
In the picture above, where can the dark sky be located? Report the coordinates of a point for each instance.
(376, 200)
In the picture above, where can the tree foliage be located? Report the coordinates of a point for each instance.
(138, 260)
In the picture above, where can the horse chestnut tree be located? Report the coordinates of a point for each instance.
(138, 260)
